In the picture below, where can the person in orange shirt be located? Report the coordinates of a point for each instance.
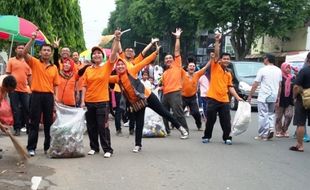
(129, 57)
(44, 92)
(67, 83)
(79, 86)
(95, 97)
(218, 95)
(189, 90)
(139, 97)
(19, 98)
(172, 84)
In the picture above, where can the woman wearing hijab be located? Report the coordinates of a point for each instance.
(139, 97)
(285, 103)
(67, 83)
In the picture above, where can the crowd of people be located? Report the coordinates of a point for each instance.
(125, 85)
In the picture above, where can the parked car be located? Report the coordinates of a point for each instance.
(244, 73)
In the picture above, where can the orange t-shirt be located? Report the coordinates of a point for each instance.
(172, 77)
(133, 71)
(21, 71)
(96, 81)
(79, 85)
(220, 81)
(134, 61)
(44, 76)
(190, 83)
(66, 90)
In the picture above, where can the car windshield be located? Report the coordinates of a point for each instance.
(247, 69)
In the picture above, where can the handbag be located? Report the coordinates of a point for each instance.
(140, 104)
(306, 98)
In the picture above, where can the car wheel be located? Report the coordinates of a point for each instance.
(233, 103)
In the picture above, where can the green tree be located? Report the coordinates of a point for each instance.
(246, 20)
(148, 18)
(54, 18)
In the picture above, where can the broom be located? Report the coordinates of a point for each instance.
(19, 148)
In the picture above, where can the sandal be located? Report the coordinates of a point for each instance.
(294, 148)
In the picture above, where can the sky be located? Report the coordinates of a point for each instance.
(95, 17)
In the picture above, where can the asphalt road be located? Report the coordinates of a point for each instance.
(168, 163)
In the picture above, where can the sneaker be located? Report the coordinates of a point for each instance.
(31, 153)
(24, 130)
(136, 149)
(286, 134)
(184, 133)
(228, 142)
(279, 135)
(126, 124)
(270, 136)
(205, 141)
(107, 155)
(91, 152)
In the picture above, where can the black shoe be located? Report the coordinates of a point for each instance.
(17, 132)
(131, 131)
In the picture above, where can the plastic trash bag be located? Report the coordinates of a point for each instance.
(153, 123)
(242, 118)
(67, 132)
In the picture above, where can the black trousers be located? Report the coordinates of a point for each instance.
(41, 103)
(20, 106)
(223, 110)
(191, 102)
(155, 105)
(97, 124)
(119, 112)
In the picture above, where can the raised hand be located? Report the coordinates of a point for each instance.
(56, 42)
(117, 34)
(154, 40)
(34, 34)
(212, 55)
(177, 33)
(218, 36)
(157, 47)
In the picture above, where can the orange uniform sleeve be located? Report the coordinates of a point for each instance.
(138, 59)
(56, 79)
(138, 67)
(200, 73)
(113, 79)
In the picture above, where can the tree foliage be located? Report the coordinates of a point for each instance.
(244, 20)
(60, 18)
(148, 18)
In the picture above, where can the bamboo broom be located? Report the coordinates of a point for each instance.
(19, 148)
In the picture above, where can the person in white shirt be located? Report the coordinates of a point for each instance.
(145, 80)
(269, 78)
(204, 87)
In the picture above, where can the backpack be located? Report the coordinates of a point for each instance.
(306, 98)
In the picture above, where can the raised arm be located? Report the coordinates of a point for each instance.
(217, 45)
(115, 45)
(203, 69)
(138, 67)
(56, 53)
(148, 47)
(177, 34)
(27, 48)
